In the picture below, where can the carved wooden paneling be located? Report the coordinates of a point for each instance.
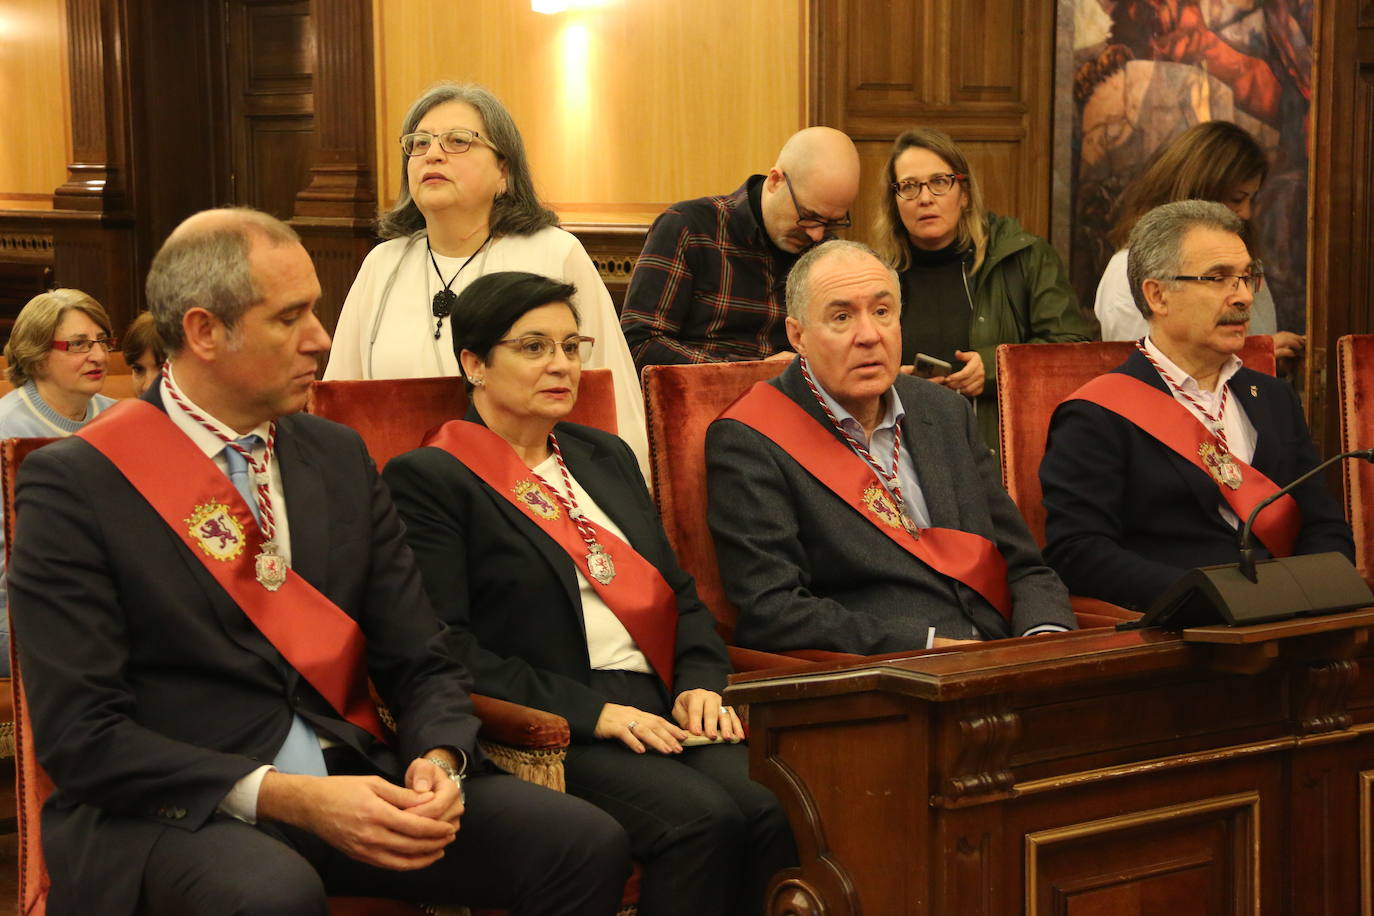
(271, 101)
(97, 54)
(986, 43)
(335, 209)
(1093, 773)
(614, 250)
(1191, 859)
(981, 71)
(26, 261)
(337, 250)
(884, 41)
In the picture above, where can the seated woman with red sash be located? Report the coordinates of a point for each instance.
(542, 551)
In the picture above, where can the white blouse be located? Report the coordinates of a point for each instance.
(386, 327)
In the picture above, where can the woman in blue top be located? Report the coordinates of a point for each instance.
(56, 355)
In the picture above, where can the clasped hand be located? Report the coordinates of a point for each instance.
(696, 712)
(372, 820)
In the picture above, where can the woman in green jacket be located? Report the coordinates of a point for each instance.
(970, 279)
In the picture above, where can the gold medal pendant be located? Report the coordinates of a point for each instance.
(270, 568)
(600, 564)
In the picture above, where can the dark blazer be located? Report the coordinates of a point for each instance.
(509, 593)
(808, 572)
(150, 691)
(1126, 516)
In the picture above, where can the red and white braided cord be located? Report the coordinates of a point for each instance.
(1215, 421)
(261, 492)
(569, 502)
(894, 484)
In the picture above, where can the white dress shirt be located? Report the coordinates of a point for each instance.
(1235, 425)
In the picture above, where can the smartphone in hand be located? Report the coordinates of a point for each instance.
(930, 367)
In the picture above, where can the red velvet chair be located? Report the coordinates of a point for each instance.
(680, 403)
(393, 415)
(1032, 379)
(1355, 357)
(32, 785)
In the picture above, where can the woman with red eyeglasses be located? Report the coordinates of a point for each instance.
(56, 355)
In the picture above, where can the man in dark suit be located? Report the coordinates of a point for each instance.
(1150, 469)
(857, 509)
(196, 641)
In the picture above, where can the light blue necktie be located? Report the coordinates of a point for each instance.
(238, 472)
(300, 752)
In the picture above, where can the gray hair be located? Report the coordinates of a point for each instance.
(209, 268)
(799, 279)
(1157, 240)
(516, 212)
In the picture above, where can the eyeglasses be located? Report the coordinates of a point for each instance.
(458, 140)
(84, 344)
(809, 220)
(940, 185)
(537, 346)
(1255, 281)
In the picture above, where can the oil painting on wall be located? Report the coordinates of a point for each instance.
(1145, 70)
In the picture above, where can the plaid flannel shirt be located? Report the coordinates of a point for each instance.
(709, 285)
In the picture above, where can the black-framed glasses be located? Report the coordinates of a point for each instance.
(457, 140)
(1253, 280)
(537, 346)
(85, 344)
(940, 185)
(808, 220)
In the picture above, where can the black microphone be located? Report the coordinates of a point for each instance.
(1247, 549)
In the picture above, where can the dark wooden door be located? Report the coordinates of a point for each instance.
(270, 64)
(1341, 196)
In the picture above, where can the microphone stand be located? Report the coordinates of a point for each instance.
(1247, 549)
(1251, 591)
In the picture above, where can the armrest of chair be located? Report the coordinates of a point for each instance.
(742, 659)
(520, 726)
(1094, 612)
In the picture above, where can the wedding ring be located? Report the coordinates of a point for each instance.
(633, 725)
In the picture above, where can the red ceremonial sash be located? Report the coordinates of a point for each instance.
(1163, 418)
(638, 596)
(197, 501)
(962, 555)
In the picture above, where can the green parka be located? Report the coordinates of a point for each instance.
(1047, 313)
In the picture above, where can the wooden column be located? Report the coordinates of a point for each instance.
(93, 239)
(1341, 200)
(334, 213)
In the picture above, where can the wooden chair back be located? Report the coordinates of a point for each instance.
(1355, 374)
(680, 403)
(393, 415)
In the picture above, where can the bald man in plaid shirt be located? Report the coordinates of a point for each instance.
(708, 286)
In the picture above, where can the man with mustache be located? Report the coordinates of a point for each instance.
(708, 286)
(858, 509)
(1151, 468)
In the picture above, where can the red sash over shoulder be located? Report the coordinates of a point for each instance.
(197, 501)
(1174, 426)
(962, 555)
(639, 596)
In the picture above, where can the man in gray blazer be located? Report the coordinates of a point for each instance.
(857, 509)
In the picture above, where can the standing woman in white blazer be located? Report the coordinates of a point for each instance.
(467, 207)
